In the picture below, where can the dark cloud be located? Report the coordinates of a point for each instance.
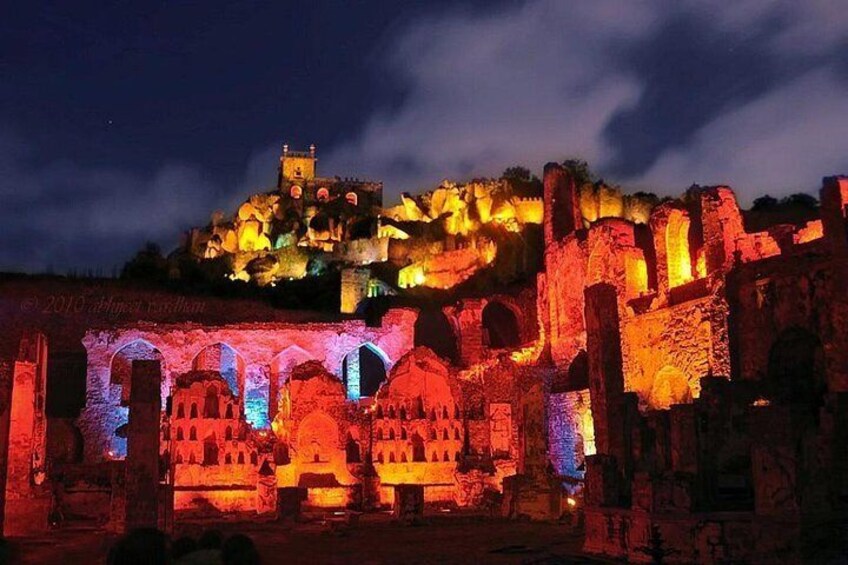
(138, 130)
(654, 94)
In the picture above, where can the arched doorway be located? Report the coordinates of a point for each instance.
(363, 371)
(434, 330)
(500, 326)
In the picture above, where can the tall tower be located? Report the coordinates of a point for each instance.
(297, 165)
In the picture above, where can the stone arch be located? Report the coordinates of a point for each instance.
(120, 367)
(669, 386)
(226, 360)
(433, 329)
(575, 378)
(678, 254)
(364, 370)
(796, 369)
(501, 326)
(280, 370)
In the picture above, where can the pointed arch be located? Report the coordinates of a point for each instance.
(280, 369)
(226, 360)
(363, 370)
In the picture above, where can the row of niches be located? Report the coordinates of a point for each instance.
(416, 413)
(446, 433)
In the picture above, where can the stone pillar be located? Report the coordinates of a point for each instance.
(562, 213)
(27, 498)
(142, 466)
(469, 318)
(606, 377)
(722, 227)
(834, 209)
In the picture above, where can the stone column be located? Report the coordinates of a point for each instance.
(142, 466)
(606, 377)
(27, 498)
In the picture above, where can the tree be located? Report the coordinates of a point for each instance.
(580, 171)
(516, 172)
(764, 202)
(148, 264)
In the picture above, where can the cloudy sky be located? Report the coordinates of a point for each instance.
(121, 124)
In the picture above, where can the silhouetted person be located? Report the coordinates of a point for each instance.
(182, 547)
(208, 550)
(142, 546)
(240, 550)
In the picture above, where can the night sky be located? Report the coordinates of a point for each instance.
(124, 122)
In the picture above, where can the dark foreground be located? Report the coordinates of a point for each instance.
(375, 540)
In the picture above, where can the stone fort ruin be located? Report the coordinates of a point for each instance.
(666, 373)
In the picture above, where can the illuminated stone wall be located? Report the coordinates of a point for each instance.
(252, 349)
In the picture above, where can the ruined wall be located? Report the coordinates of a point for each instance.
(255, 345)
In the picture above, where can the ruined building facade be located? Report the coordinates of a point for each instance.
(676, 378)
(713, 361)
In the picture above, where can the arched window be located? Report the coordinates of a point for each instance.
(445, 415)
(391, 411)
(380, 457)
(500, 326)
(352, 198)
(192, 433)
(433, 329)
(210, 451)
(433, 434)
(179, 458)
(323, 195)
(363, 371)
(352, 450)
(445, 434)
(228, 433)
(402, 412)
(435, 457)
(392, 457)
(403, 458)
(191, 458)
(576, 378)
(379, 433)
(240, 459)
(224, 359)
(193, 412)
(403, 433)
(180, 410)
(210, 403)
(254, 458)
(445, 456)
(179, 434)
(296, 192)
(379, 412)
(391, 433)
(456, 433)
(418, 454)
(229, 413)
(678, 258)
(228, 459)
